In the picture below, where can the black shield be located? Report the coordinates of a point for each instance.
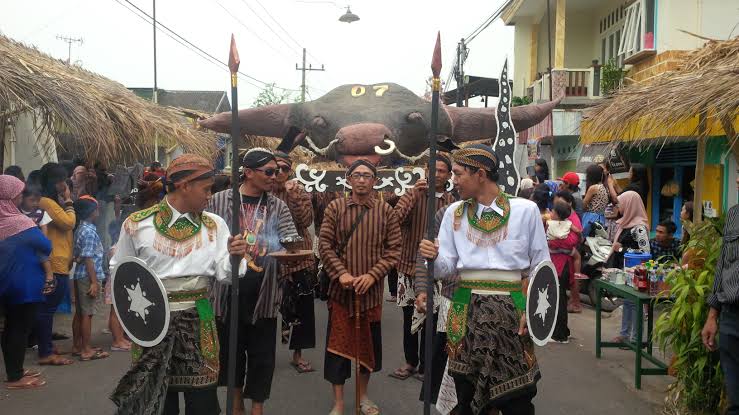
(542, 302)
(140, 301)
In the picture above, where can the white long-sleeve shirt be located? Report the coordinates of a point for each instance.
(524, 248)
(207, 259)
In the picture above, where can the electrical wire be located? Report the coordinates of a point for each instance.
(268, 26)
(200, 50)
(239, 21)
(487, 22)
(284, 30)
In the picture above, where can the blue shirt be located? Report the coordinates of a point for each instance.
(669, 253)
(21, 274)
(87, 244)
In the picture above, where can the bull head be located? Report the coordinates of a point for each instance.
(381, 123)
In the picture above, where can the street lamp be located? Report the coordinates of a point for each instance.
(348, 17)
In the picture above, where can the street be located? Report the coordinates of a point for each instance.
(573, 380)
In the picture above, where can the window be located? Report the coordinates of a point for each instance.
(611, 28)
(638, 31)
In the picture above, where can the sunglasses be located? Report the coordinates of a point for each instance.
(267, 172)
(284, 169)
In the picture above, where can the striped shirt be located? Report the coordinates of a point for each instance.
(411, 211)
(421, 281)
(278, 221)
(374, 247)
(299, 203)
(726, 283)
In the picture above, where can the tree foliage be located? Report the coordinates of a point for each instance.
(271, 95)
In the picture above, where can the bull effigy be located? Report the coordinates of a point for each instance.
(386, 124)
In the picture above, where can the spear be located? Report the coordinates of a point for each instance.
(233, 66)
(430, 220)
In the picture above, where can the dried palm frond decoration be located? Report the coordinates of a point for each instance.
(107, 120)
(704, 86)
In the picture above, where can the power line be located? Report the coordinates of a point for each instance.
(484, 25)
(268, 25)
(159, 24)
(206, 58)
(239, 21)
(283, 29)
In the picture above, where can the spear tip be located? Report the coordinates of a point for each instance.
(436, 60)
(233, 56)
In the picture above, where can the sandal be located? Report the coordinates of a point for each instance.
(95, 356)
(28, 373)
(56, 360)
(369, 408)
(302, 366)
(403, 373)
(29, 383)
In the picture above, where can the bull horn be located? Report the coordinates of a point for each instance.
(479, 123)
(269, 121)
(390, 149)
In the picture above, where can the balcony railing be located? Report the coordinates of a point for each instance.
(579, 83)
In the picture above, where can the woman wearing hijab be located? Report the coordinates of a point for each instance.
(57, 202)
(22, 246)
(632, 233)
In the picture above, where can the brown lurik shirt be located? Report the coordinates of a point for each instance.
(374, 247)
(411, 211)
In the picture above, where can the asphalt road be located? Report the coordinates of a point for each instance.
(574, 381)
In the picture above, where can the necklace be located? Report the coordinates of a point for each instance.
(250, 231)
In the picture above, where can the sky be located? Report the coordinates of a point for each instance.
(393, 41)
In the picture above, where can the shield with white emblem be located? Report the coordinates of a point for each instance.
(542, 302)
(140, 300)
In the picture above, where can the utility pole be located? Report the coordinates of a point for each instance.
(69, 41)
(303, 69)
(459, 69)
(155, 92)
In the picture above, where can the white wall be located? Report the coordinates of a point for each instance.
(32, 147)
(522, 58)
(710, 18)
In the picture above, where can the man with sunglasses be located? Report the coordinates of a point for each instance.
(298, 315)
(266, 222)
(359, 243)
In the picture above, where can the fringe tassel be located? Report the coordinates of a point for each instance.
(176, 249)
(130, 227)
(484, 239)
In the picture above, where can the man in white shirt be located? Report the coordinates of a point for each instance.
(186, 248)
(490, 240)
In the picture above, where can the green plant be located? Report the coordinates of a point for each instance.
(517, 101)
(269, 96)
(699, 378)
(611, 76)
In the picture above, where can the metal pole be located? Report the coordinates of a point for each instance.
(549, 47)
(155, 93)
(431, 225)
(302, 86)
(233, 62)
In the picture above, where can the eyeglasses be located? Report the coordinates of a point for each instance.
(284, 169)
(267, 172)
(362, 176)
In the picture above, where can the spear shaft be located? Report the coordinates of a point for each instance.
(431, 225)
(233, 64)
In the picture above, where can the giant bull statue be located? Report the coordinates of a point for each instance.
(381, 122)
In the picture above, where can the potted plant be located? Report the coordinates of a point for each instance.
(699, 385)
(611, 77)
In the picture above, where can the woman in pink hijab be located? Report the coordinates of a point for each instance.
(22, 248)
(632, 233)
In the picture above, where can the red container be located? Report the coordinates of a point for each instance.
(641, 280)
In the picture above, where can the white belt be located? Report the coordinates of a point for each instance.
(490, 275)
(173, 285)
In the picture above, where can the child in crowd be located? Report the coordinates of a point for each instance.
(559, 226)
(88, 252)
(30, 207)
(568, 199)
(562, 240)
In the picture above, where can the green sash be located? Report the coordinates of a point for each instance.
(457, 320)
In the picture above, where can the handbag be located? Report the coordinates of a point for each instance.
(324, 281)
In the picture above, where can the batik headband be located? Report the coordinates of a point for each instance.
(198, 167)
(257, 157)
(475, 156)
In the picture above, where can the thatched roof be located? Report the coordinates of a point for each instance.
(705, 84)
(108, 120)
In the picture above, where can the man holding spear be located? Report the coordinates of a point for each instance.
(360, 242)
